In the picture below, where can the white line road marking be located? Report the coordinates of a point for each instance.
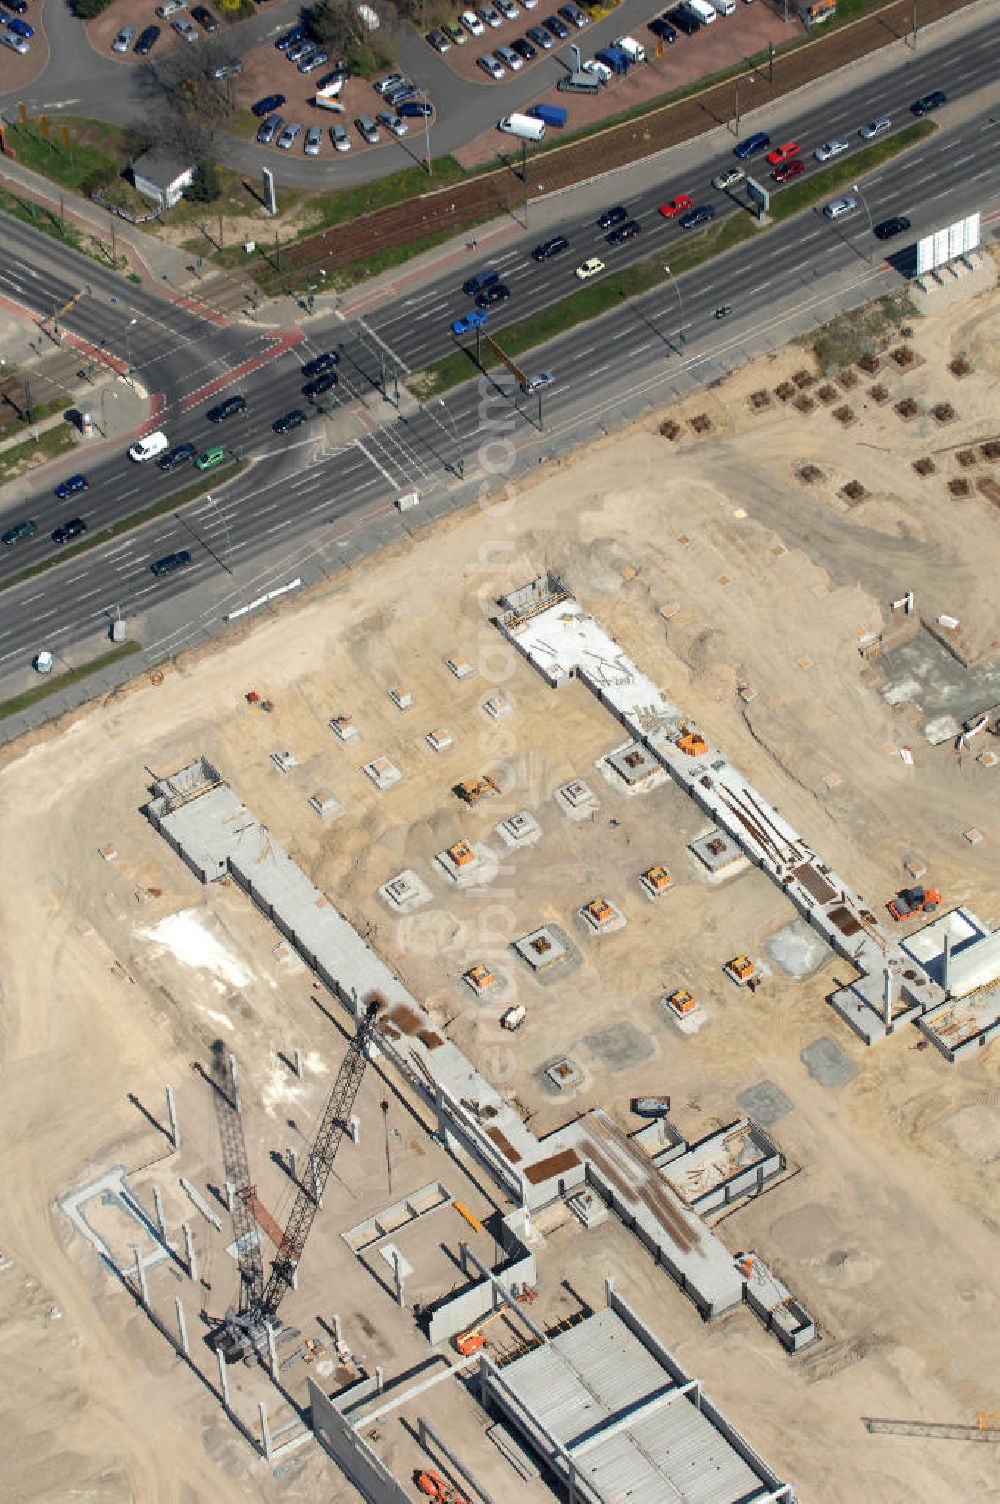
(380, 468)
(381, 342)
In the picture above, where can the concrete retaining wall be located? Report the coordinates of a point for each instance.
(352, 1454)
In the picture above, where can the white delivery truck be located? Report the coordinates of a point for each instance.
(701, 10)
(633, 50)
(524, 126)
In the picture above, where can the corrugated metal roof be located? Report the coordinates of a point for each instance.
(591, 1376)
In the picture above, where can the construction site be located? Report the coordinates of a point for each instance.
(522, 1021)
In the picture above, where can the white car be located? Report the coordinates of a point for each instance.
(597, 70)
(589, 269)
(530, 4)
(472, 23)
(341, 140)
(831, 149)
(144, 449)
(170, 8)
(728, 179)
(391, 81)
(123, 40)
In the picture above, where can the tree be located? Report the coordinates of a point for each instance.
(88, 9)
(206, 185)
(337, 26)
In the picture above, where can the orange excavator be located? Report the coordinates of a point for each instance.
(913, 901)
(430, 1482)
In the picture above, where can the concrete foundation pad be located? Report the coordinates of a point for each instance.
(405, 892)
(601, 917)
(687, 1023)
(564, 1074)
(718, 855)
(764, 1102)
(479, 866)
(826, 1062)
(382, 772)
(797, 950)
(548, 952)
(577, 800)
(519, 830)
(631, 769)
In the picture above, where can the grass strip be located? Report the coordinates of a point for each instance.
(51, 685)
(60, 155)
(50, 443)
(207, 482)
(607, 293)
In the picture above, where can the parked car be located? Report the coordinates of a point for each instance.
(232, 69)
(490, 17)
(209, 458)
(589, 268)
(927, 102)
(341, 140)
(574, 16)
(524, 49)
(621, 233)
(416, 109)
(510, 59)
(123, 39)
(831, 149)
(72, 486)
(875, 128)
(439, 41)
(314, 141)
(751, 146)
(16, 7)
(684, 21)
(289, 38)
(662, 28)
(147, 41)
(176, 456)
(472, 23)
(314, 63)
(392, 122)
(289, 136)
(557, 27)
(170, 562)
(507, 9)
(676, 205)
(540, 37)
(16, 43)
(497, 292)
(227, 408)
(896, 225)
(320, 364)
(455, 34)
(268, 104)
(492, 66)
(695, 218)
(288, 421)
(19, 532)
(74, 528)
(788, 170)
(204, 17)
(269, 128)
(474, 319)
(367, 130)
(320, 384)
(391, 81)
(184, 29)
(549, 248)
(170, 8)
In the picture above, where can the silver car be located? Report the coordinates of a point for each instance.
(367, 130)
(838, 207)
(123, 40)
(341, 140)
(314, 61)
(509, 59)
(269, 129)
(313, 141)
(289, 136)
(185, 29)
(831, 149)
(875, 128)
(392, 122)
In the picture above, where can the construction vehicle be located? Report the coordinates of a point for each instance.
(913, 901)
(430, 1482)
(473, 1339)
(248, 1329)
(473, 789)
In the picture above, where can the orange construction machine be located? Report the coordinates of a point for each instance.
(913, 901)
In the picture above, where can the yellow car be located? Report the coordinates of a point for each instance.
(589, 269)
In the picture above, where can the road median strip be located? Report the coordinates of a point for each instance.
(207, 482)
(613, 288)
(52, 684)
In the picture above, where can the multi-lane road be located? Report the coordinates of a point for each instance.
(359, 452)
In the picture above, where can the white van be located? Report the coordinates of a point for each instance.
(725, 7)
(701, 10)
(633, 50)
(525, 126)
(147, 448)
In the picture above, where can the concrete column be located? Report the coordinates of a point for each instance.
(265, 1430)
(946, 965)
(175, 1132)
(223, 1377)
(158, 1209)
(230, 1196)
(292, 1159)
(234, 1077)
(335, 1328)
(295, 1276)
(272, 1350)
(297, 1056)
(189, 1253)
(378, 1379)
(314, 1172)
(442, 1118)
(609, 1285)
(463, 1251)
(182, 1326)
(887, 1000)
(354, 1128)
(140, 1276)
(400, 1293)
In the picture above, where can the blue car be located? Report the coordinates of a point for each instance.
(475, 319)
(751, 146)
(21, 29)
(267, 105)
(72, 486)
(289, 38)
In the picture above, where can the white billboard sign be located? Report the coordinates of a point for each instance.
(946, 245)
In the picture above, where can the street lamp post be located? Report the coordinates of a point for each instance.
(681, 336)
(128, 351)
(856, 189)
(427, 136)
(460, 461)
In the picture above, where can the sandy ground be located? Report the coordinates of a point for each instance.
(884, 1228)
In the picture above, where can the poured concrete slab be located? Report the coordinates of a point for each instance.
(923, 671)
(826, 1062)
(764, 1102)
(797, 949)
(620, 1048)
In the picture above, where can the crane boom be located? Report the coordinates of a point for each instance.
(237, 1168)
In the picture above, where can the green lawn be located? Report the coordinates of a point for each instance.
(51, 684)
(20, 458)
(93, 152)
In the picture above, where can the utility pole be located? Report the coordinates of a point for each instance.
(388, 1160)
(427, 136)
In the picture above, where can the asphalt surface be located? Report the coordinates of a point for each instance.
(317, 496)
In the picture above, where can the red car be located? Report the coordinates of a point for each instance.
(782, 153)
(786, 170)
(676, 205)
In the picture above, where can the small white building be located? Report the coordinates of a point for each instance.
(161, 176)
